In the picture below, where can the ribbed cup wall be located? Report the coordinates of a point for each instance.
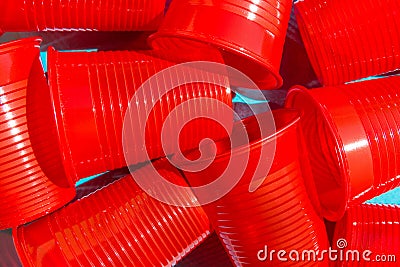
(369, 227)
(279, 215)
(98, 15)
(91, 93)
(350, 40)
(378, 106)
(26, 192)
(118, 225)
(270, 15)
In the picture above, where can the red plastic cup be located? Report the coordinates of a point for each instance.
(26, 190)
(279, 214)
(91, 93)
(118, 225)
(21, 15)
(352, 133)
(374, 228)
(250, 34)
(350, 40)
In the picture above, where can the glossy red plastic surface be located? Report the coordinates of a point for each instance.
(97, 15)
(279, 214)
(91, 92)
(250, 34)
(352, 133)
(348, 40)
(370, 227)
(26, 191)
(118, 225)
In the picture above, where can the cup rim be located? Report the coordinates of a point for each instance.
(56, 106)
(20, 43)
(341, 160)
(294, 119)
(345, 160)
(226, 46)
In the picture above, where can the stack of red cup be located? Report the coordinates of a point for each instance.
(266, 183)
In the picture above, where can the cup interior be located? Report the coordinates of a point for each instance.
(326, 157)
